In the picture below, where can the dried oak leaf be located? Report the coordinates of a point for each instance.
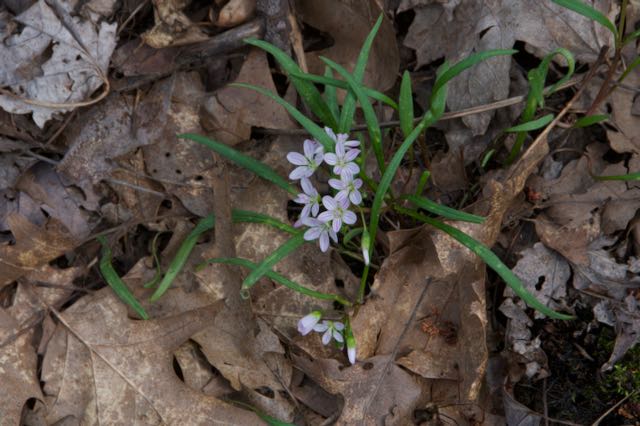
(172, 27)
(35, 245)
(476, 25)
(231, 112)
(625, 117)
(57, 58)
(102, 367)
(349, 22)
(375, 392)
(18, 361)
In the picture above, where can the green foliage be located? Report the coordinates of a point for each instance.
(590, 120)
(115, 282)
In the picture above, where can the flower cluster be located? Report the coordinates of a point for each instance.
(330, 329)
(324, 226)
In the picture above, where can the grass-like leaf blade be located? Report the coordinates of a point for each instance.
(307, 91)
(246, 216)
(115, 282)
(341, 84)
(493, 261)
(630, 176)
(531, 125)
(369, 114)
(405, 105)
(331, 94)
(280, 253)
(444, 211)
(349, 105)
(316, 131)
(243, 160)
(280, 279)
(590, 120)
(588, 12)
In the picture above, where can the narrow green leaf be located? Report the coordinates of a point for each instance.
(444, 211)
(630, 68)
(115, 282)
(349, 105)
(546, 62)
(243, 160)
(631, 37)
(493, 262)
(177, 263)
(341, 84)
(531, 125)
(590, 120)
(316, 131)
(369, 114)
(422, 183)
(588, 12)
(265, 266)
(405, 105)
(154, 254)
(467, 63)
(307, 91)
(280, 279)
(331, 94)
(354, 232)
(630, 176)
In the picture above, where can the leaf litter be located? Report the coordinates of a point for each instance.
(426, 332)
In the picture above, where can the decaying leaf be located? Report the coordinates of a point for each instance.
(454, 30)
(75, 67)
(236, 12)
(625, 117)
(172, 27)
(102, 367)
(349, 22)
(230, 112)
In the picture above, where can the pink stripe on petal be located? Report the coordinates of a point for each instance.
(349, 217)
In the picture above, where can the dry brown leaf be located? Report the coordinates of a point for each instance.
(35, 245)
(182, 166)
(236, 12)
(56, 58)
(461, 28)
(626, 138)
(349, 22)
(172, 27)
(18, 361)
(101, 367)
(375, 392)
(230, 113)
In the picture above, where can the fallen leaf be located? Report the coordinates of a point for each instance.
(462, 28)
(35, 245)
(627, 325)
(231, 112)
(235, 12)
(625, 118)
(349, 23)
(544, 274)
(172, 27)
(123, 372)
(81, 49)
(375, 392)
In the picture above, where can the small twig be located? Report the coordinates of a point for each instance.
(545, 405)
(616, 405)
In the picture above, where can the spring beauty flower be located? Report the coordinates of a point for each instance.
(351, 347)
(330, 329)
(348, 187)
(309, 198)
(319, 230)
(308, 322)
(342, 138)
(337, 212)
(342, 159)
(307, 163)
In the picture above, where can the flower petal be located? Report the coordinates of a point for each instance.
(312, 233)
(300, 172)
(330, 158)
(351, 155)
(352, 168)
(349, 217)
(321, 327)
(329, 131)
(326, 337)
(315, 208)
(336, 224)
(338, 336)
(297, 159)
(336, 184)
(329, 202)
(324, 242)
(309, 148)
(355, 197)
(351, 353)
(307, 186)
(338, 325)
(325, 216)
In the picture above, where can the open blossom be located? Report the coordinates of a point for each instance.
(337, 212)
(342, 159)
(307, 163)
(330, 329)
(319, 230)
(342, 138)
(310, 199)
(306, 323)
(348, 187)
